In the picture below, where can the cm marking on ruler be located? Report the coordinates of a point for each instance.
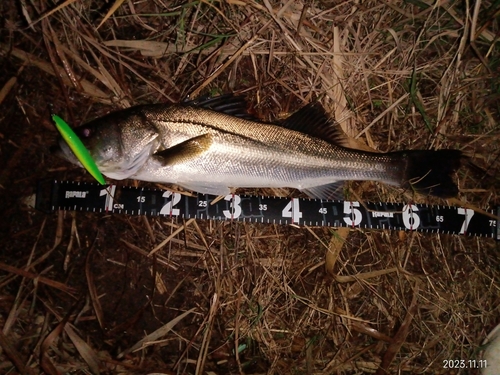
(91, 197)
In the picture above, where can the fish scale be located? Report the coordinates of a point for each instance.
(298, 154)
(198, 147)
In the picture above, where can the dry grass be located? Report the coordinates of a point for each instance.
(79, 292)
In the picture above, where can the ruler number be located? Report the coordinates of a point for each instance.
(168, 209)
(141, 199)
(411, 220)
(493, 223)
(109, 192)
(353, 213)
(292, 209)
(439, 219)
(468, 216)
(235, 206)
(323, 210)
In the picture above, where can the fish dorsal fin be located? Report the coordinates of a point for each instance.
(313, 120)
(229, 104)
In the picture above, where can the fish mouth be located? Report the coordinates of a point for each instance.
(118, 168)
(62, 150)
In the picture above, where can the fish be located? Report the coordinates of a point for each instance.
(213, 145)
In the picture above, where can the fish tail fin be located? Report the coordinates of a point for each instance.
(430, 172)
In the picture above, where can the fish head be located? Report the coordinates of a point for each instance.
(120, 143)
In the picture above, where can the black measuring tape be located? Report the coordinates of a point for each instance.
(92, 197)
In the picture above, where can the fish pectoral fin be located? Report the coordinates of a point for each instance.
(185, 151)
(333, 191)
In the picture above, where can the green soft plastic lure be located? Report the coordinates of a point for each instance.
(78, 148)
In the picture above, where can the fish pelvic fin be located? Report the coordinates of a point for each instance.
(430, 172)
(202, 187)
(185, 151)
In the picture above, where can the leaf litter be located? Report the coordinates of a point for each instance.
(94, 293)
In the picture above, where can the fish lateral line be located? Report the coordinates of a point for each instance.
(208, 146)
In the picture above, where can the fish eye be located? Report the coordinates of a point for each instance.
(86, 132)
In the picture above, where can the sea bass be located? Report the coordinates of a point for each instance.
(213, 145)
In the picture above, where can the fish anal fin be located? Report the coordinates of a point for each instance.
(333, 191)
(313, 120)
(185, 151)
